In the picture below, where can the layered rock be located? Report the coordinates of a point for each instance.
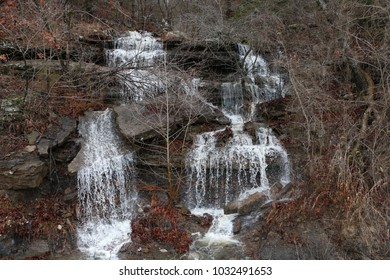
(56, 135)
(247, 205)
(22, 171)
(144, 120)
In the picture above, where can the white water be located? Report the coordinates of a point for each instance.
(105, 191)
(221, 230)
(219, 173)
(261, 83)
(137, 54)
(106, 194)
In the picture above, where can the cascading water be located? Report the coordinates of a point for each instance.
(105, 191)
(106, 194)
(137, 53)
(224, 166)
(260, 82)
(229, 164)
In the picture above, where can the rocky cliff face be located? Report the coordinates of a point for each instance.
(49, 162)
(21, 171)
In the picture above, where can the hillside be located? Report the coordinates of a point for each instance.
(334, 121)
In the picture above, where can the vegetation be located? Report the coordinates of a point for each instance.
(335, 54)
(163, 224)
(46, 218)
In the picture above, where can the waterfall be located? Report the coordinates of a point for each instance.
(136, 54)
(105, 191)
(260, 82)
(105, 182)
(230, 164)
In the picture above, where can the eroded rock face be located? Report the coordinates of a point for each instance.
(22, 171)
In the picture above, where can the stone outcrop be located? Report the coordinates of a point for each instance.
(247, 205)
(56, 135)
(22, 171)
(211, 57)
(144, 120)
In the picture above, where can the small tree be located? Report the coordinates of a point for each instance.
(169, 115)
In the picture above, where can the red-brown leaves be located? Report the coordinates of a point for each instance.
(161, 223)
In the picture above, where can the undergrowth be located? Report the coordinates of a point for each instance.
(162, 223)
(46, 218)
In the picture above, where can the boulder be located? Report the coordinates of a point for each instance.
(21, 171)
(56, 135)
(232, 207)
(145, 120)
(247, 205)
(135, 123)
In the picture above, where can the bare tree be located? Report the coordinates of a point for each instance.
(163, 119)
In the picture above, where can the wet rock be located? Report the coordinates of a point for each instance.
(193, 256)
(232, 207)
(252, 203)
(224, 136)
(227, 252)
(246, 206)
(125, 247)
(250, 128)
(22, 171)
(236, 226)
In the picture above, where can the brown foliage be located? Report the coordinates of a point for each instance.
(41, 218)
(163, 224)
